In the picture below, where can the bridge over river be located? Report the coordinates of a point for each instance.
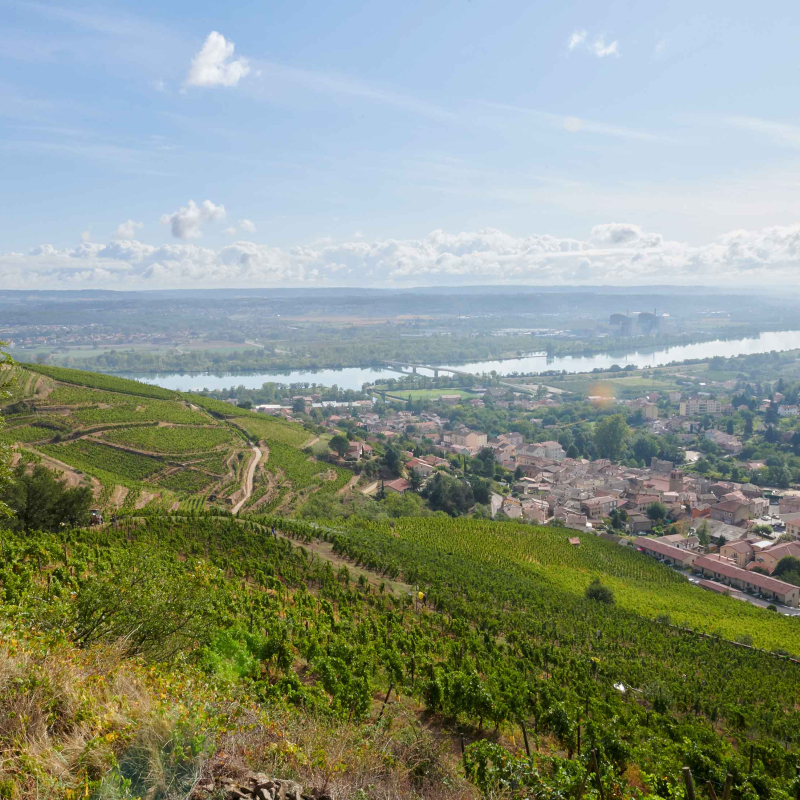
(410, 368)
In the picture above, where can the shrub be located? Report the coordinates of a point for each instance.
(599, 593)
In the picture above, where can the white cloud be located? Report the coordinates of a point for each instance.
(187, 221)
(614, 253)
(86, 236)
(127, 230)
(230, 231)
(247, 226)
(601, 49)
(598, 47)
(214, 64)
(577, 39)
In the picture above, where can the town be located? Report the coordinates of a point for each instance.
(701, 479)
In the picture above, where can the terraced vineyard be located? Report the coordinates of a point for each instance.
(172, 440)
(164, 447)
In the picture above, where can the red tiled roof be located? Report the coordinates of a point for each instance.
(665, 549)
(735, 573)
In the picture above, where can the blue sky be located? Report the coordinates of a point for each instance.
(421, 142)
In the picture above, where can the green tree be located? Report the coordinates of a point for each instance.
(611, 436)
(702, 533)
(392, 460)
(657, 512)
(339, 444)
(40, 501)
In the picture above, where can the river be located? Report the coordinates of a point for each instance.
(356, 377)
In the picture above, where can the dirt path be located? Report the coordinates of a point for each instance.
(350, 484)
(310, 443)
(248, 480)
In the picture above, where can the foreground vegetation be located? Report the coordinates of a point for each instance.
(223, 634)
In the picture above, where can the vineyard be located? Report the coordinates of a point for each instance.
(171, 440)
(96, 380)
(90, 456)
(507, 659)
(273, 430)
(302, 472)
(146, 439)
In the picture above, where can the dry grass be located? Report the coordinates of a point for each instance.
(396, 758)
(89, 723)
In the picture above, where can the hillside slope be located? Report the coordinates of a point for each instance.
(245, 629)
(139, 445)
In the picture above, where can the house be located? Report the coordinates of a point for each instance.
(788, 411)
(769, 558)
(450, 399)
(731, 512)
(639, 523)
(724, 571)
(512, 508)
(790, 504)
(793, 525)
(741, 552)
(597, 507)
(422, 468)
(680, 541)
(464, 437)
(398, 486)
(730, 444)
(667, 552)
(355, 450)
(551, 451)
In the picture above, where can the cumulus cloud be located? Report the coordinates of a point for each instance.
(247, 226)
(187, 221)
(579, 40)
(230, 231)
(613, 253)
(214, 65)
(86, 236)
(127, 230)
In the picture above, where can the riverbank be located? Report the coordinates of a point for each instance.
(355, 377)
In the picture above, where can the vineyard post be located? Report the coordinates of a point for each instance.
(525, 737)
(582, 785)
(687, 779)
(711, 793)
(579, 737)
(596, 768)
(726, 792)
(752, 753)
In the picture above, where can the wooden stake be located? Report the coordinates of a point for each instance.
(711, 793)
(596, 768)
(726, 792)
(525, 737)
(687, 779)
(752, 752)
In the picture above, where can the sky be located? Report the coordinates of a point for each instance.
(437, 142)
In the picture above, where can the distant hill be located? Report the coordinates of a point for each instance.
(141, 446)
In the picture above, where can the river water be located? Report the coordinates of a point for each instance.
(356, 377)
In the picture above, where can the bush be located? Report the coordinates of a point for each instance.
(147, 602)
(599, 593)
